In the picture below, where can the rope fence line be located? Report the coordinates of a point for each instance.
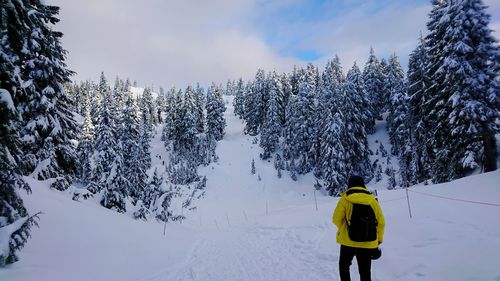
(455, 199)
(395, 199)
(245, 218)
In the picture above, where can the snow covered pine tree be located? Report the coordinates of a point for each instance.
(36, 107)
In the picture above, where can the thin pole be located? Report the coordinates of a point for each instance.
(315, 200)
(227, 217)
(267, 208)
(165, 227)
(245, 214)
(408, 200)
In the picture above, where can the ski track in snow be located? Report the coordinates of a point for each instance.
(257, 253)
(250, 252)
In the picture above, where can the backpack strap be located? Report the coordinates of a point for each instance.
(352, 191)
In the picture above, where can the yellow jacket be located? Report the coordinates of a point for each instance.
(343, 212)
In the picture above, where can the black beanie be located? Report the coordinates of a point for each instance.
(355, 181)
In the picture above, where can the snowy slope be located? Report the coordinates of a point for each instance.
(246, 229)
(138, 91)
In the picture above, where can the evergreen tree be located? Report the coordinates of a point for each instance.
(386, 87)
(333, 154)
(261, 91)
(271, 129)
(152, 193)
(94, 99)
(433, 110)
(34, 105)
(397, 106)
(100, 91)
(103, 87)
(148, 108)
(399, 124)
(215, 113)
(286, 91)
(120, 94)
(389, 171)
(71, 91)
(128, 137)
(354, 139)
(300, 130)
(49, 126)
(294, 80)
(187, 130)
(200, 109)
(137, 178)
(330, 90)
(420, 149)
(373, 76)
(330, 100)
(115, 187)
(230, 88)
(253, 110)
(85, 149)
(144, 146)
(400, 136)
(172, 110)
(355, 90)
(105, 147)
(81, 98)
(166, 212)
(149, 197)
(238, 101)
(255, 104)
(463, 96)
(160, 104)
(12, 210)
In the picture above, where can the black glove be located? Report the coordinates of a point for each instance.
(376, 253)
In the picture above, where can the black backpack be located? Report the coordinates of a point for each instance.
(363, 224)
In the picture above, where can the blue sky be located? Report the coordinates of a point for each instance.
(176, 43)
(273, 20)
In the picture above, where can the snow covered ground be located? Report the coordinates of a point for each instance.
(267, 229)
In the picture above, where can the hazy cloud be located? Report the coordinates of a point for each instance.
(167, 42)
(163, 42)
(393, 29)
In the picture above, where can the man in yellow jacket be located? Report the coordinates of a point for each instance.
(361, 248)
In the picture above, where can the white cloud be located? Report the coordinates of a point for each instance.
(494, 11)
(163, 42)
(168, 42)
(394, 29)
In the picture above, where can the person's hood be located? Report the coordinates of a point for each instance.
(362, 197)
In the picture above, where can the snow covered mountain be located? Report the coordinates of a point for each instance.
(261, 227)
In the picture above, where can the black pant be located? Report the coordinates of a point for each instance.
(363, 256)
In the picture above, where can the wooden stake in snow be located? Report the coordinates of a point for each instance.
(315, 200)
(408, 199)
(227, 217)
